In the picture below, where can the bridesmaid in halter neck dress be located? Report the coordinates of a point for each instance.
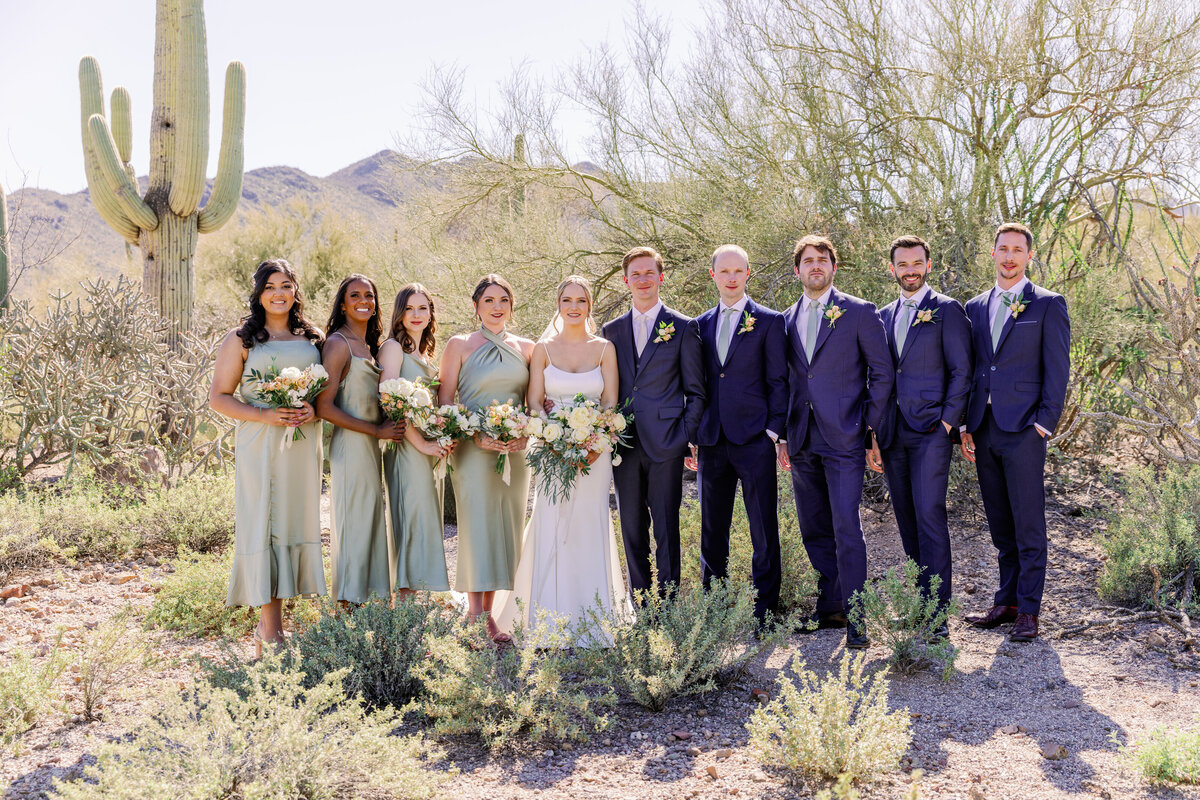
(358, 536)
(277, 499)
(490, 365)
(414, 493)
(569, 560)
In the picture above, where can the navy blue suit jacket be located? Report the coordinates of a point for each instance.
(1027, 373)
(933, 374)
(749, 392)
(665, 387)
(847, 385)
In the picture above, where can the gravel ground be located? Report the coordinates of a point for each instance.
(980, 736)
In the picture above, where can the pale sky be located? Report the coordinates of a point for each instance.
(328, 82)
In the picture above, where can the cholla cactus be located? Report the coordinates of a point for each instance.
(3, 251)
(165, 222)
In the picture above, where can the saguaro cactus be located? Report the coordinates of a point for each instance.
(3, 251)
(165, 223)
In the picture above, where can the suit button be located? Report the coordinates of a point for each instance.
(722, 374)
(899, 371)
(635, 388)
(810, 376)
(993, 369)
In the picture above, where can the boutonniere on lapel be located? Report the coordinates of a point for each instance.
(833, 313)
(925, 315)
(1016, 306)
(665, 331)
(748, 323)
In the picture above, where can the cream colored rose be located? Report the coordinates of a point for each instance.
(552, 432)
(291, 374)
(422, 397)
(618, 422)
(535, 426)
(318, 372)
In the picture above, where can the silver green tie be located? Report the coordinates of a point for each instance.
(814, 319)
(723, 336)
(905, 324)
(998, 323)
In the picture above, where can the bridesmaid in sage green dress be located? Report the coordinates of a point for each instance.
(358, 540)
(414, 493)
(277, 495)
(490, 365)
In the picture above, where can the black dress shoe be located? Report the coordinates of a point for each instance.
(997, 615)
(941, 633)
(856, 638)
(1025, 629)
(815, 621)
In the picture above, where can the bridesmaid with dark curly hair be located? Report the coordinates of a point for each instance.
(277, 539)
(358, 536)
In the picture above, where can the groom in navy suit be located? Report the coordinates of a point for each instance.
(745, 371)
(929, 339)
(1022, 338)
(840, 377)
(661, 376)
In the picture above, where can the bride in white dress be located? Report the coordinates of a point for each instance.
(569, 556)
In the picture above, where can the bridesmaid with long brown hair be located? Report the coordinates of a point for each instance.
(415, 493)
(358, 536)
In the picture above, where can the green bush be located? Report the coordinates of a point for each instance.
(833, 727)
(26, 691)
(1168, 756)
(676, 645)
(521, 693)
(191, 601)
(894, 610)
(1158, 527)
(281, 740)
(90, 519)
(798, 588)
(113, 654)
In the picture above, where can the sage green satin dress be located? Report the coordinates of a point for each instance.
(491, 514)
(277, 494)
(415, 506)
(358, 540)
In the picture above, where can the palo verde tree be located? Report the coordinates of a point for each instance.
(165, 222)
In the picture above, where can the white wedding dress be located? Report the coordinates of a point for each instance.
(569, 557)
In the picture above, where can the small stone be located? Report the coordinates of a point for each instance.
(1011, 730)
(701, 712)
(548, 753)
(734, 790)
(151, 561)
(1054, 752)
(682, 736)
(975, 793)
(693, 751)
(724, 752)
(712, 772)
(122, 579)
(567, 746)
(761, 695)
(970, 590)
(607, 743)
(43, 582)
(16, 590)
(1119, 677)
(1071, 704)
(1156, 702)
(1156, 639)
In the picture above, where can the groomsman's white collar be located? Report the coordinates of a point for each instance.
(740, 305)
(652, 313)
(1016, 290)
(918, 296)
(823, 299)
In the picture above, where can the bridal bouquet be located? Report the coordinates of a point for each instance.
(444, 424)
(567, 436)
(290, 387)
(504, 422)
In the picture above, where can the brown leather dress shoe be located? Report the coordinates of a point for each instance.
(1025, 629)
(998, 615)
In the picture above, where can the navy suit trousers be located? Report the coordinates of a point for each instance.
(917, 468)
(828, 485)
(649, 492)
(1010, 467)
(721, 467)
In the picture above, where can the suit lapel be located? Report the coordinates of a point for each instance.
(793, 333)
(734, 337)
(626, 345)
(1026, 298)
(826, 326)
(915, 330)
(889, 315)
(651, 344)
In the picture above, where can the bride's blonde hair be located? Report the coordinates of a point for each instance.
(582, 283)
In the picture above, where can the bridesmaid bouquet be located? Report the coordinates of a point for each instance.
(567, 436)
(444, 424)
(504, 422)
(402, 399)
(290, 387)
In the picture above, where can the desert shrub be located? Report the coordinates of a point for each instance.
(94, 380)
(191, 601)
(523, 693)
(26, 690)
(281, 740)
(1168, 756)
(798, 588)
(88, 518)
(675, 645)
(896, 611)
(1157, 528)
(839, 725)
(111, 655)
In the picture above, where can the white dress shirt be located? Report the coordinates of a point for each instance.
(644, 322)
(916, 300)
(806, 307)
(736, 322)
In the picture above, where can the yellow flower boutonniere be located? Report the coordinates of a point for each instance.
(665, 331)
(1016, 307)
(925, 315)
(833, 314)
(747, 324)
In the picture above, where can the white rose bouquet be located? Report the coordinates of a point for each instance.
(444, 424)
(402, 399)
(567, 438)
(504, 422)
(290, 387)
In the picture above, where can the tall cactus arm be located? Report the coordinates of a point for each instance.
(227, 188)
(4, 290)
(116, 179)
(191, 108)
(91, 98)
(122, 123)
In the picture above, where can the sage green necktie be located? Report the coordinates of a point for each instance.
(814, 319)
(723, 336)
(902, 330)
(998, 323)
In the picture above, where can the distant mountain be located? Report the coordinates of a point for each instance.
(44, 222)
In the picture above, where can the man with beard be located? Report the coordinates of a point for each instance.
(929, 339)
(1022, 338)
(839, 380)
